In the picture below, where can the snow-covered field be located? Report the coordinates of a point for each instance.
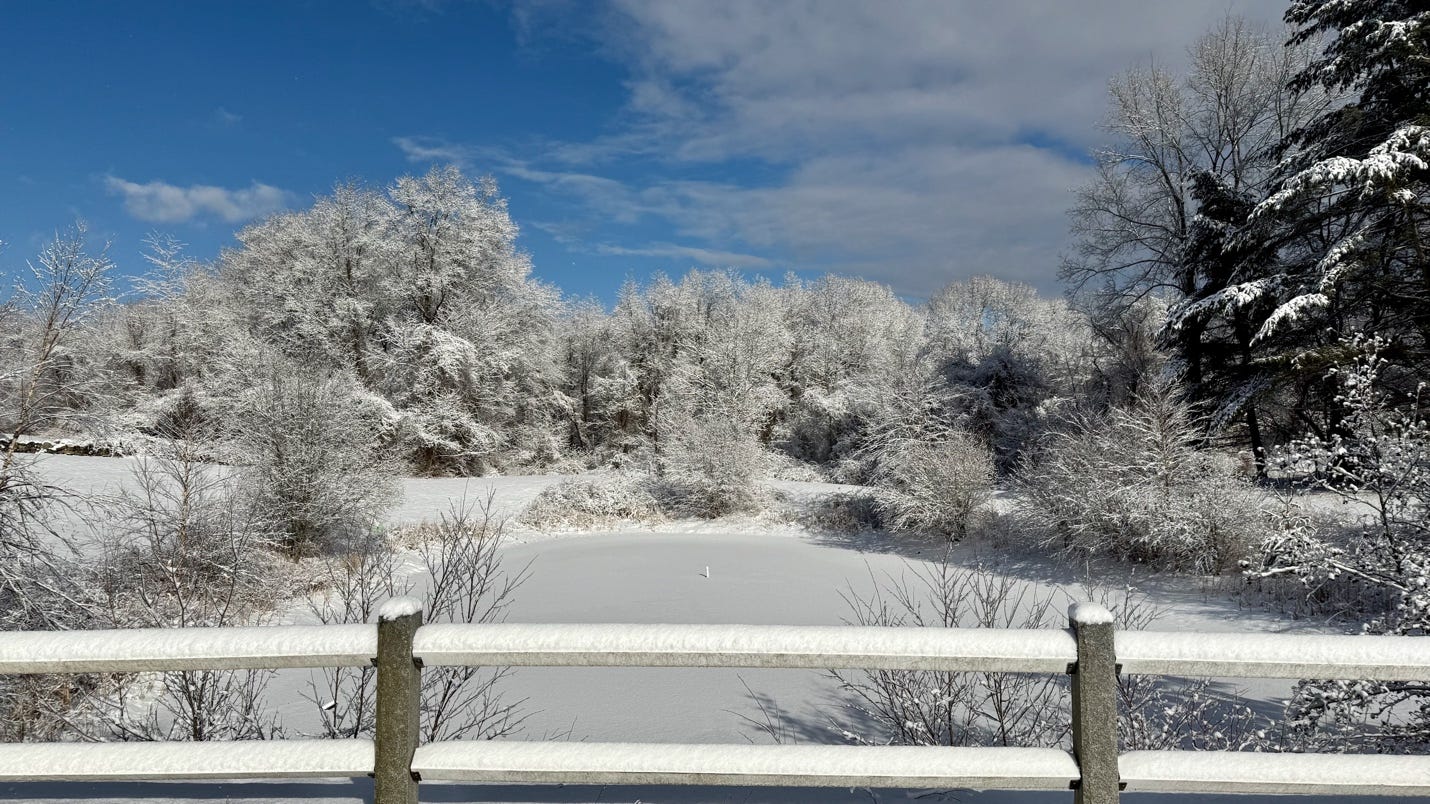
(774, 575)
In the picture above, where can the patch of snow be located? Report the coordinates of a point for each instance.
(396, 607)
(1089, 614)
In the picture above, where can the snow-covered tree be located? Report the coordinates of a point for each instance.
(1334, 243)
(1004, 356)
(1379, 465)
(44, 383)
(45, 380)
(855, 359)
(1190, 152)
(421, 293)
(1132, 484)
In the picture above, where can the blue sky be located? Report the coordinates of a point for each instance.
(915, 143)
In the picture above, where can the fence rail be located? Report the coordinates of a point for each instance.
(1090, 651)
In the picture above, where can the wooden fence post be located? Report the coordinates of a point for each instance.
(399, 697)
(1094, 704)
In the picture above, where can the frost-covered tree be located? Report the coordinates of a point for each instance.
(1360, 172)
(421, 293)
(855, 358)
(44, 384)
(1131, 484)
(721, 397)
(1334, 244)
(1379, 465)
(1190, 153)
(46, 381)
(1004, 356)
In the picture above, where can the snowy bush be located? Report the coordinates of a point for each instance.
(1378, 464)
(311, 443)
(597, 502)
(461, 553)
(1133, 485)
(933, 484)
(932, 707)
(853, 512)
(709, 463)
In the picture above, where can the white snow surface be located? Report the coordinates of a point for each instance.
(428, 498)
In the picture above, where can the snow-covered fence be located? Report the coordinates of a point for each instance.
(401, 646)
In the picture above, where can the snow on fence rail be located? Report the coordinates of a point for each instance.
(142, 649)
(1385, 658)
(777, 646)
(1090, 651)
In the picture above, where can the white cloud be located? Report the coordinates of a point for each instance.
(915, 142)
(775, 78)
(434, 149)
(161, 202)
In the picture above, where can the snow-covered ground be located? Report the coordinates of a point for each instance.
(774, 574)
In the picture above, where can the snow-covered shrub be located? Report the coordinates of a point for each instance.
(311, 443)
(855, 512)
(182, 414)
(461, 553)
(1292, 567)
(1133, 485)
(708, 464)
(933, 484)
(595, 502)
(1161, 713)
(1379, 464)
(42, 586)
(353, 581)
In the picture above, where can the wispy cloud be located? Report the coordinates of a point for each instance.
(434, 149)
(162, 202)
(700, 256)
(224, 117)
